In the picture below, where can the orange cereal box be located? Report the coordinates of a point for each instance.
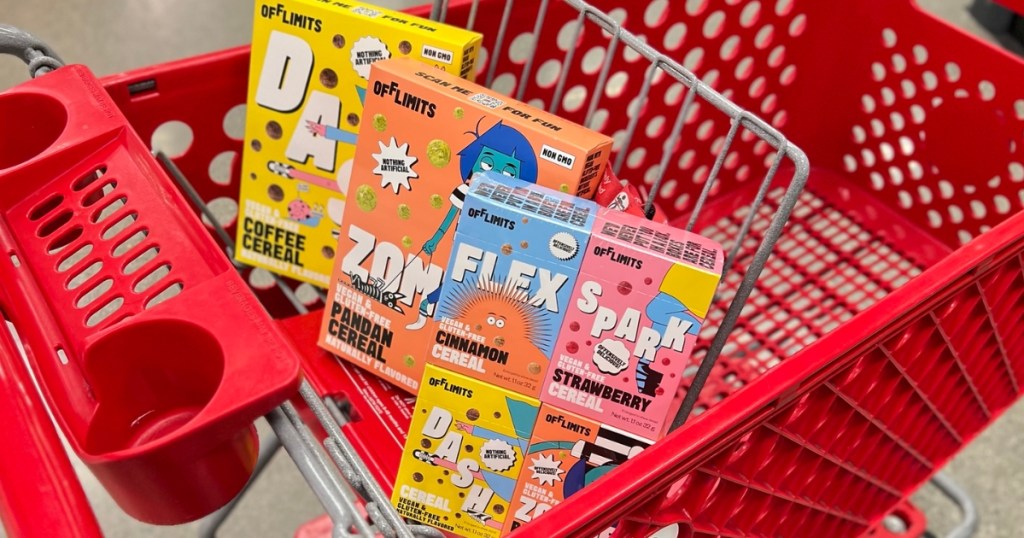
(463, 455)
(309, 70)
(566, 453)
(426, 134)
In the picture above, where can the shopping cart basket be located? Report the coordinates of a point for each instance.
(879, 339)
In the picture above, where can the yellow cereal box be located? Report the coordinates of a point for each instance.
(431, 134)
(463, 455)
(310, 65)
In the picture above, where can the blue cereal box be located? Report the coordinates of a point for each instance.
(513, 267)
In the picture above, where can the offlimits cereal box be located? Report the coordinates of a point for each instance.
(639, 302)
(516, 256)
(430, 133)
(463, 455)
(308, 76)
(566, 453)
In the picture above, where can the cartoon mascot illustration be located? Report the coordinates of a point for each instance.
(675, 293)
(501, 149)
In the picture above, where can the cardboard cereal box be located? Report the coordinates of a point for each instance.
(430, 133)
(308, 76)
(642, 295)
(513, 267)
(463, 455)
(566, 453)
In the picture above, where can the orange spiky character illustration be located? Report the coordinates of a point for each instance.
(500, 313)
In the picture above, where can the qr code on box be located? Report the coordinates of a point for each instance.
(372, 13)
(487, 100)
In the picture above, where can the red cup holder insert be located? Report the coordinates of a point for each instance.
(156, 397)
(150, 379)
(29, 123)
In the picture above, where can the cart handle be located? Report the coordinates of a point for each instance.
(43, 496)
(41, 59)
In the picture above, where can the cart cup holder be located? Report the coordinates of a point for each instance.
(29, 124)
(150, 379)
(158, 395)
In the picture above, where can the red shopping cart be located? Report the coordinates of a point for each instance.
(877, 341)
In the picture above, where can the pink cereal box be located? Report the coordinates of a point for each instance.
(638, 304)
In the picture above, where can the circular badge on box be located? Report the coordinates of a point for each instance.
(564, 246)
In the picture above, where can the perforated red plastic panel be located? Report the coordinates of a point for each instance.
(876, 344)
(154, 356)
(204, 141)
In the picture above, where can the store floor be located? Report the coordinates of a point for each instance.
(112, 36)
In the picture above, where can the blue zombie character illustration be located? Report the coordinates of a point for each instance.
(674, 294)
(500, 150)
